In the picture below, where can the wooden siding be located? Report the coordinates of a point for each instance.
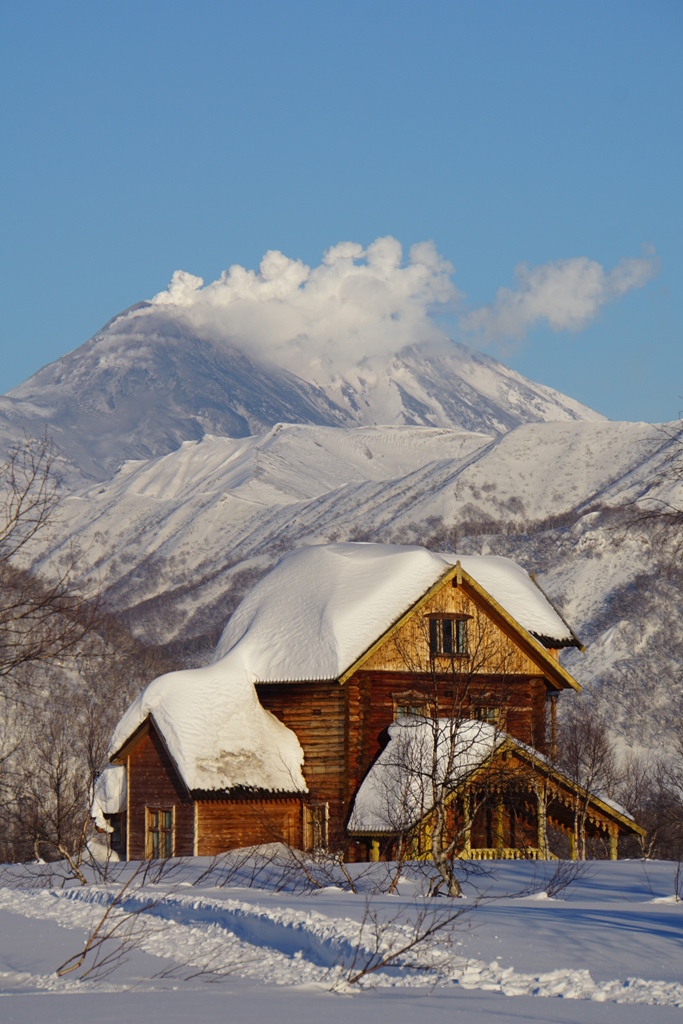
(492, 648)
(226, 823)
(154, 782)
(316, 713)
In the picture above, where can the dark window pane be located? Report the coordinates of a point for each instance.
(434, 636)
(167, 842)
(461, 636)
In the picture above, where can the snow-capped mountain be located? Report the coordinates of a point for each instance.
(150, 380)
(239, 459)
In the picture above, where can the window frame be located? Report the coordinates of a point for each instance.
(414, 703)
(165, 834)
(492, 714)
(448, 635)
(316, 815)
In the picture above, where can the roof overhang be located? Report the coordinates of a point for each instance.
(148, 725)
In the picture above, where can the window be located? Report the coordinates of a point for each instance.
(488, 713)
(316, 819)
(448, 636)
(409, 710)
(159, 832)
(410, 704)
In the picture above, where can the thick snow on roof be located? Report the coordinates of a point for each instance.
(398, 791)
(322, 606)
(110, 794)
(516, 592)
(216, 731)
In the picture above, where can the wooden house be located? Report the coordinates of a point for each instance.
(335, 653)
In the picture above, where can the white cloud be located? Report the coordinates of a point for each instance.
(567, 294)
(359, 304)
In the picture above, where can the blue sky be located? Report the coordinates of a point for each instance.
(140, 138)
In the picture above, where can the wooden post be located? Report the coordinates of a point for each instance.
(500, 823)
(613, 842)
(374, 850)
(553, 726)
(541, 822)
(572, 845)
(467, 823)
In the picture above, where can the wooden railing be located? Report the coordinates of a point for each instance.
(506, 853)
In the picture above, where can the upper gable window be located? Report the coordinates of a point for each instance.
(448, 635)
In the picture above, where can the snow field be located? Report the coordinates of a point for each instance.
(192, 934)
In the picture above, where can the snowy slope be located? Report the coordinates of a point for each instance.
(149, 380)
(219, 502)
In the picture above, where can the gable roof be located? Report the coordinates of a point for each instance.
(323, 607)
(215, 730)
(397, 792)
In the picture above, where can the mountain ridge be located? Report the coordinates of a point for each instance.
(149, 381)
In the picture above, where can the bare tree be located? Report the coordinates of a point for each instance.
(413, 942)
(587, 756)
(57, 743)
(651, 788)
(67, 673)
(42, 617)
(440, 768)
(665, 513)
(417, 780)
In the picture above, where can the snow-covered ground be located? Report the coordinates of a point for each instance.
(217, 948)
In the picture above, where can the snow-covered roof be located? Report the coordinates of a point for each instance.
(397, 792)
(322, 606)
(110, 795)
(312, 617)
(521, 597)
(216, 731)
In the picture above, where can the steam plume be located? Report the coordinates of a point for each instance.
(567, 294)
(360, 304)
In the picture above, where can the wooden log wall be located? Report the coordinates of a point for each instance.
(316, 713)
(372, 696)
(153, 782)
(226, 823)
